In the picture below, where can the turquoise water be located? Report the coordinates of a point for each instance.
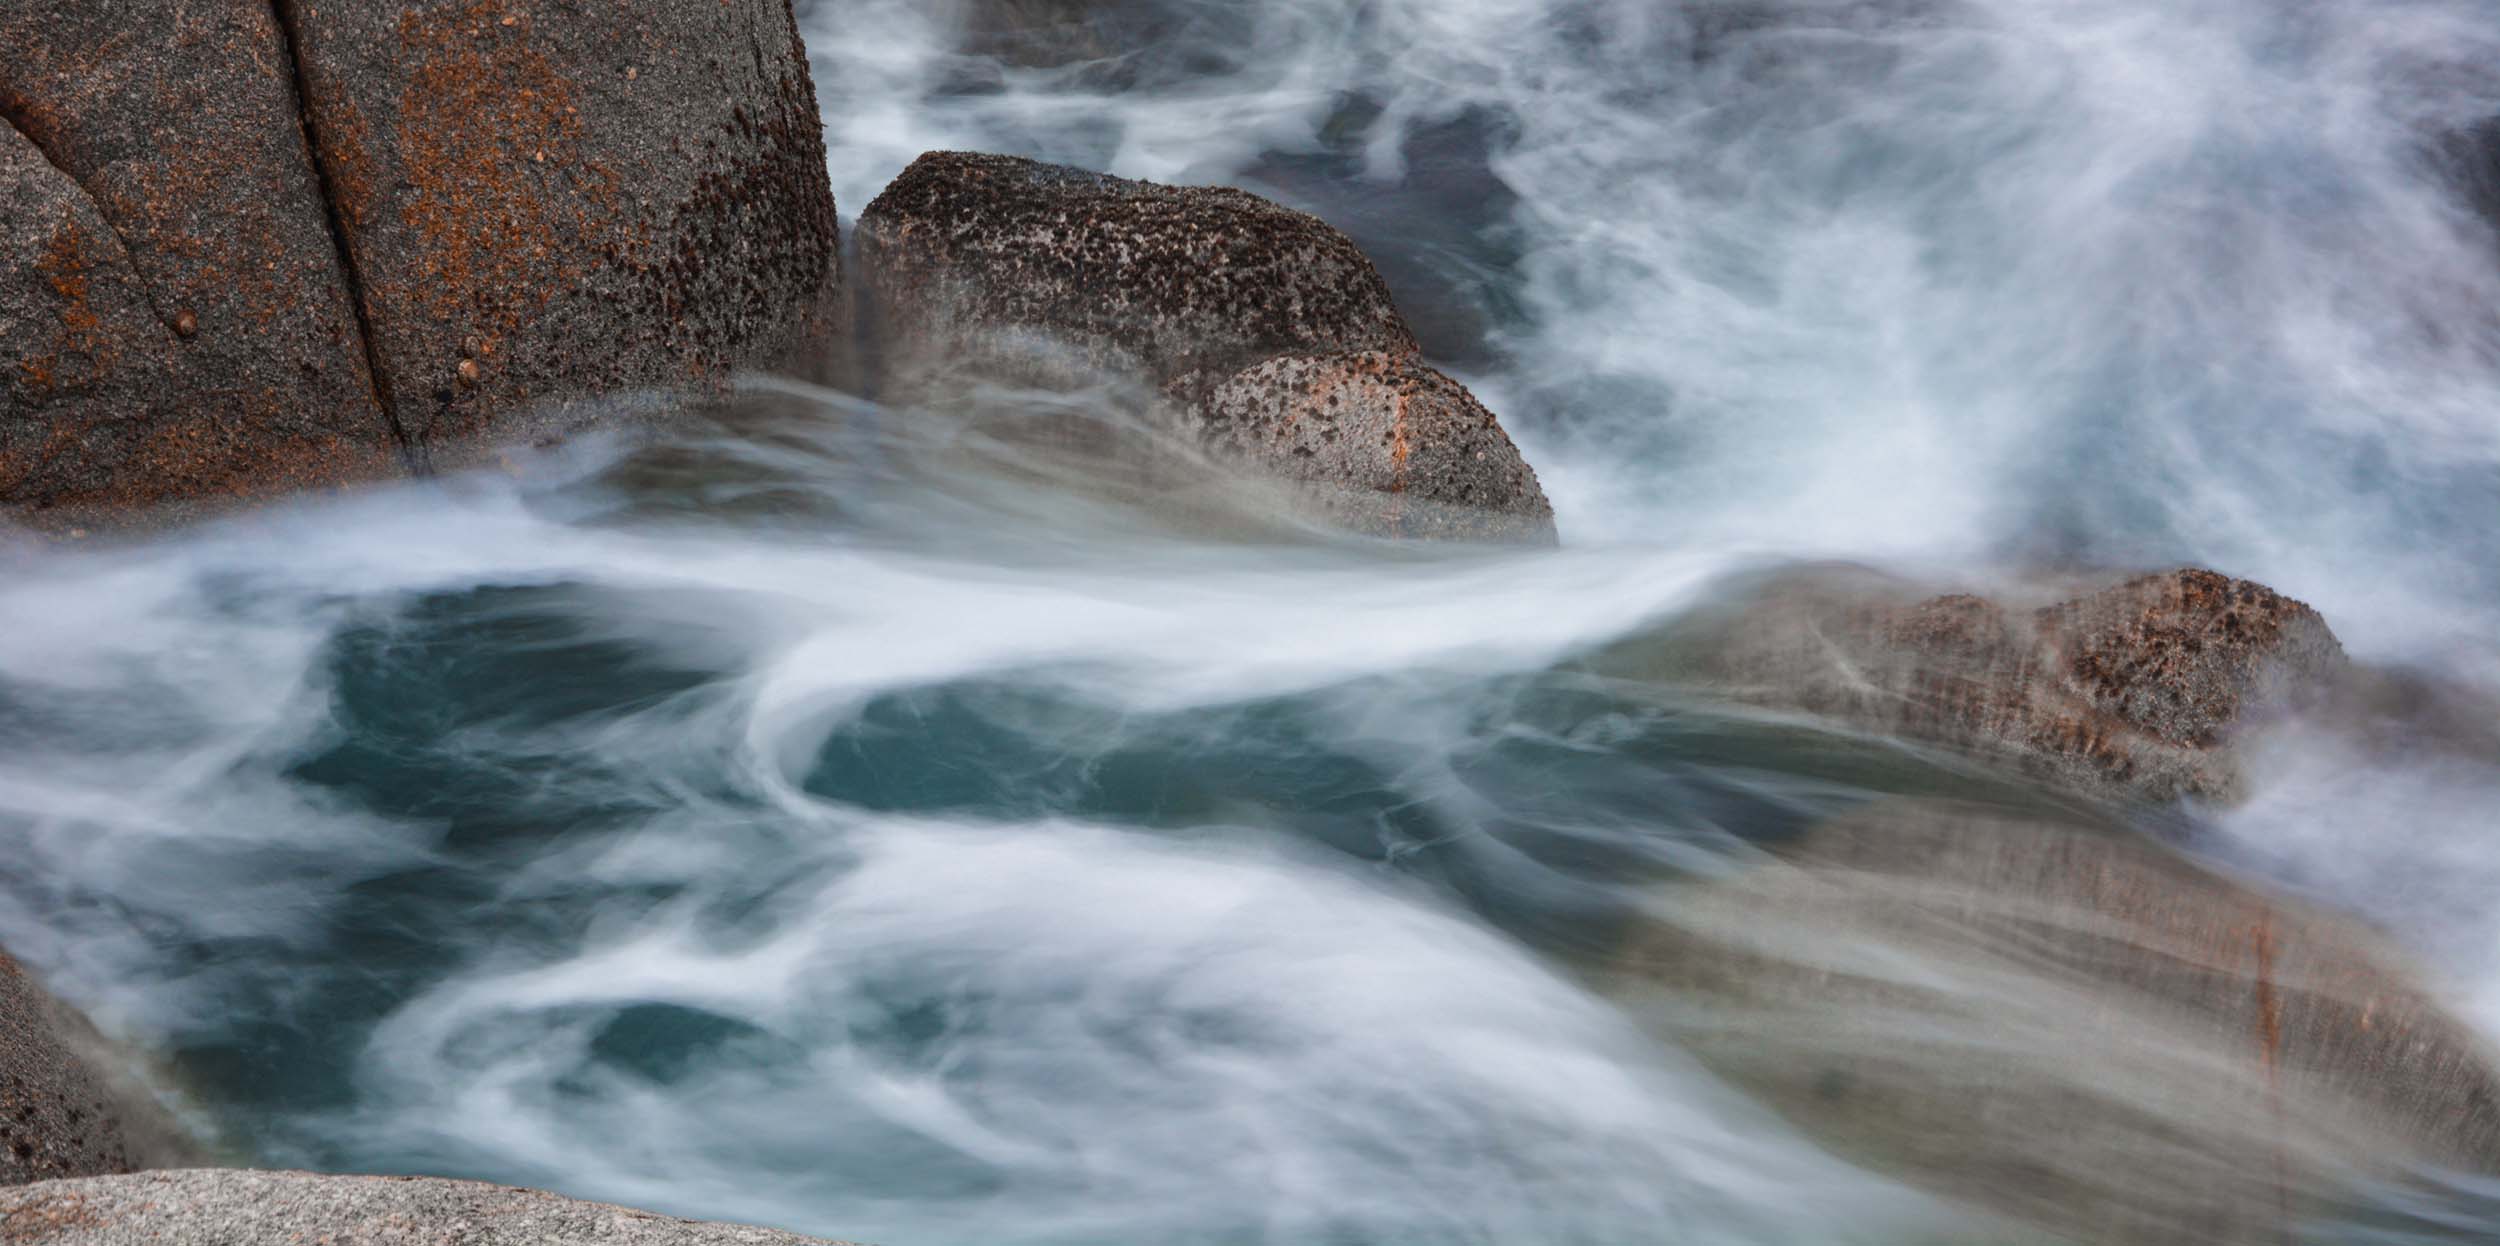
(862, 821)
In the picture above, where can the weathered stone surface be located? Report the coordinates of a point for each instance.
(174, 321)
(2066, 1023)
(1247, 318)
(545, 203)
(1405, 450)
(60, 1116)
(236, 1207)
(256, 247)
(969, 257)
(2131, 691)
(2183, 655)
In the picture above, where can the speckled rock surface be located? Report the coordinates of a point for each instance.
(2066, 1022)
(174, 322)
(2132, 691)
(1249, 319)
(237, 1207)
(1182, 286)
(58, 1115)
(254, 248)
(545, 202)
(2183, 654)
(1402, 449)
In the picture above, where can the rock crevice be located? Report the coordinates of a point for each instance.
(284, 14)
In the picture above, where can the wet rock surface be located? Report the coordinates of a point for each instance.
(2131, 691)
(59, 1115)
(1404, 450)
(174, 319)
(259, 248)
(1264, 330)
(229, 1207)
(2065, 1022)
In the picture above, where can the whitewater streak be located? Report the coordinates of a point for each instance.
(860, 821)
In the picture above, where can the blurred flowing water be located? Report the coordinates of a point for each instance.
(861, 821)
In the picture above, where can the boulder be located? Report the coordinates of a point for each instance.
(2066, 1023)
(549, 203)
(2131, 691)
(236, 1207)
(1433, 461)
(1248, 320)
(62, 1113)
(175, 322)
(256, 248)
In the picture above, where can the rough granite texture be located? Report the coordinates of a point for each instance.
(1405, 450)
(2132, 691)
(1181, 285)
(549, 201)
(58, 1115)
(1249, 319)
(174, 322)
(256, 246)
(2065, 1022)
(239, 1207)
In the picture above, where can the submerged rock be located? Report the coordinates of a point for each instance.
(2134, 691)
(1262, 330)
(61, 1115)
(2065, 1023)
(232, 1207)
(266, 247)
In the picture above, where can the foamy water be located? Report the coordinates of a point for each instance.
(833, 818)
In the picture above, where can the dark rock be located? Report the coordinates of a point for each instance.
(2131, 691)
(174, 323)
(571, 201)
(235, 1207)
(970, 257)
(1248, 319)
(61, 1113)
(2066, 1023)
(259, 248)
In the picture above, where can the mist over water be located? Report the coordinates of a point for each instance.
(861, 821)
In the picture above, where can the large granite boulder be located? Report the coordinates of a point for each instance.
(1262, 330)
(544, 203)
(237, 1207)
(175, 320)
(254, 248)
(2066, 1023)
(62, 1112)
(2132, 691)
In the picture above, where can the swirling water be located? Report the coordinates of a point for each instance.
(857, 821)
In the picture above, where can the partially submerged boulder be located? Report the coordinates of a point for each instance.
(2066, 1023)
(60, 1114)
(1261, 329)
(236, 1207)
(1411, 451)
(2133, 691)
(257, 248)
